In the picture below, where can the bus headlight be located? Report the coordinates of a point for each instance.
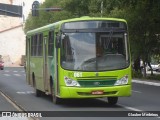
(122, 81)
(70, 82)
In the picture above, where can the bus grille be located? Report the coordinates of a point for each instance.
(97, 83)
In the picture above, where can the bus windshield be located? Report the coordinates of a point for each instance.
(94, 51)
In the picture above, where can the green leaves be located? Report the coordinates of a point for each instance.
(143, 19)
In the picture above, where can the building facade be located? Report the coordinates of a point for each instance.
(12, 37)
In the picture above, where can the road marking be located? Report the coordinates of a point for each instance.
(30, 92)
(129, 108)
(16, 106)
(146, 82)
(6, 74)
(10, 101)
(20, 92)
(6, 71)
(26, 92)
(15, 71)
(17, 75)
(135, 109)
(136, 91)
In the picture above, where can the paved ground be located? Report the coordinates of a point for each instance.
(145, 96)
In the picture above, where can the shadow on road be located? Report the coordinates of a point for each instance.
(82, 103)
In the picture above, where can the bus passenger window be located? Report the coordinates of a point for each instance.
(51, 43)
(40, 45)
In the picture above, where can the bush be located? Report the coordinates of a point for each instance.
(153, 77)
(136, 74)
(149, 76)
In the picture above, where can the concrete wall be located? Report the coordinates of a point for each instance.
(12, 46)
(7, 22)
(5, 1)
(12, 38)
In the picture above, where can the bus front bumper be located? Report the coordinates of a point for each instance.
(95, 92)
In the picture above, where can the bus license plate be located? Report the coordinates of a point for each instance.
(98, 92)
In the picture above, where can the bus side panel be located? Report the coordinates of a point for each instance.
(50, 59)
(27, 63)
(56, 68)
(37, 70)
(50, 72)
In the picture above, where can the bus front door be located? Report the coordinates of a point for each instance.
(45, 69)
(27, 62)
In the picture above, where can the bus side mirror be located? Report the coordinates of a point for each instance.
(58, 41)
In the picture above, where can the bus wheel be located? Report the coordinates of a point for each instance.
(112, 100)
(55, 99)
(38, 92)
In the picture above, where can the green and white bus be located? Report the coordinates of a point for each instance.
(86, 57)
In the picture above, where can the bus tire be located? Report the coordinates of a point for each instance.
(37, 92)
(55, 99)
(112, 100)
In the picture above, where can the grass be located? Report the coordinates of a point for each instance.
(153, 77)
(139, 75)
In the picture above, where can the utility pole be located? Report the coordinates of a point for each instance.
(36, 9)
(101, 8)
(35, 6)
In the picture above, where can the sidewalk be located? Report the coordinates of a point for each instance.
(14, 65)
(6, 106)
(147, 82)
(13, 118)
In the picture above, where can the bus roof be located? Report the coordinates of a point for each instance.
(57, 24)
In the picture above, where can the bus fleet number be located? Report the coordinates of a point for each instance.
(77, 74)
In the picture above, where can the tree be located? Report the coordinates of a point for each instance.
(142, 16)
(77, 7)
(47, 17)
(143, 37)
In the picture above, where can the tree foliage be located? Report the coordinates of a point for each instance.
(142, 16)
(144, 27)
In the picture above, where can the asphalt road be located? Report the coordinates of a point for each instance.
(12, 83)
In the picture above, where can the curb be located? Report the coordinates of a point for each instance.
(146, 82)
